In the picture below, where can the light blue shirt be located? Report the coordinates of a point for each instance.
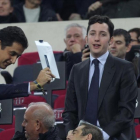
(102, 60)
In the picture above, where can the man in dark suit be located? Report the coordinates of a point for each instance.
(12, 44)
(117, 93)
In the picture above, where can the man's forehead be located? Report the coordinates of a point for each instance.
(74, 30)
(79, 128)
(102, 27)
(118, 38)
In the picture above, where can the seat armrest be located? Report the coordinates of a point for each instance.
(7, 76)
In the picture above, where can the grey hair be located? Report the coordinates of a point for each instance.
(91, 129)
(46, 116)
(76, 25)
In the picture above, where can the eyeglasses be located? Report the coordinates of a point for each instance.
(132, 40)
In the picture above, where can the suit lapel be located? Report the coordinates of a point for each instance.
(84, 81)
(108, 73)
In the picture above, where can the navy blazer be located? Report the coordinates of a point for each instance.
(10, 91)
(116, 101)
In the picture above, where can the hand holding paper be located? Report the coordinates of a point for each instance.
(47, 57)
(45, 76)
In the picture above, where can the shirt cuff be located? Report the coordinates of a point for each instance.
(105, 135)
(29, 92)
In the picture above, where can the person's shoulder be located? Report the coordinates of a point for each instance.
(121, 63)
(82, 64)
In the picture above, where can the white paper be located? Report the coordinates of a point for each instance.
(47, 57)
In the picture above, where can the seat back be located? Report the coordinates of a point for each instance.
(8, 126)
(33, 57)
(59, 107)
(7, 134)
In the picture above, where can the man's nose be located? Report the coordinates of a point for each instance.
(97, 38)
(22, 124)
(13, 59)
(72, 38)
(113, 45)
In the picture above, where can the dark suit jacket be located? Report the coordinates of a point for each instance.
(12, 91)
(116, 101)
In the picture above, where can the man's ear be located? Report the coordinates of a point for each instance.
(64, 40)
(128, 48)
(89, 136)
(38, 125)
(11, 9)
(111, 40)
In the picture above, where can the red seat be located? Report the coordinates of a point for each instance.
(7, 134)
(137, 130)
(31, 58)
(25, 101)
(59, 102)
(8, 126)
(59, 107)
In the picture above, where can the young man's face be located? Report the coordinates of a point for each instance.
(9, 54)
(5, 7)
(118, 46)
(29, 123)
(98, 39)
(74, 35)
(76, 134)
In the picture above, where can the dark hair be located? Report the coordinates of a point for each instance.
(12, 34)
(101, 19)
(91, 129)
(11, 2)
(127, 37)
(137, 31)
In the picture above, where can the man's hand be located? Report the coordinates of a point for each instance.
(45, 76)
(76, 48)
(59, 17)
(85, 54)
(94, 6)
(75, 16)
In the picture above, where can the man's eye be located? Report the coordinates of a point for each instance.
(76, 35)
(103, 34)
(92, 33)
(118, 43)
(73, 133)
(68, 36)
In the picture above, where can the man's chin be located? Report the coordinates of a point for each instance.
(3, 67)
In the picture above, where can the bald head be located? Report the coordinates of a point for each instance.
(43, 112)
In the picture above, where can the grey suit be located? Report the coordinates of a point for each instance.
(116, 101)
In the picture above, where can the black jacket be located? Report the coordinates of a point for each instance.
(52, 134)
(11, 18)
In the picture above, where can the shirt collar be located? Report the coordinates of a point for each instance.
(102, 58)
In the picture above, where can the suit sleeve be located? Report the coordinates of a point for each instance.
(11, 91)
(126, 105)
(70, 115)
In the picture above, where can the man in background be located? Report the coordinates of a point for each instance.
(38, 123)
(33, 11)
(85, 131)
(75, 42)
(6, 12)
